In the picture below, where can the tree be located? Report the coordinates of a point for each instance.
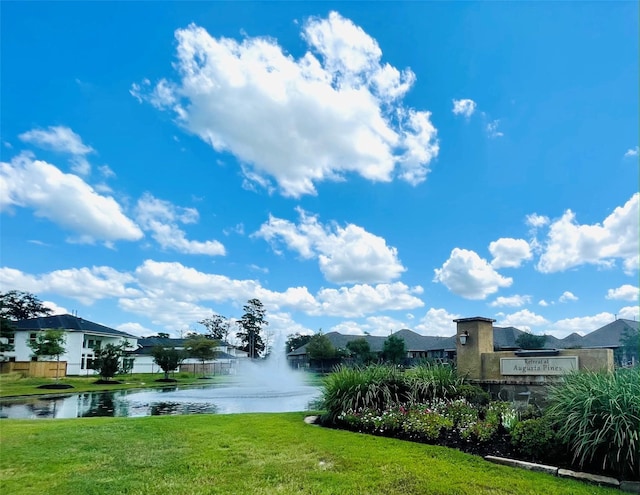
(202, 348)
(49, 343)
(321, 349)
(630, 341)
(18, 305)
(218, 327)
(361, 350)
(7, 333)
(167, 358)
(107, 360)
(393, 350)
(527, 340)
(251, 323)
(295, 341)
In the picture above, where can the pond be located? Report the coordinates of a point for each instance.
(208, 399)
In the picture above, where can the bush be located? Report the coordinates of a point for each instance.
(376, 388)
(430, 381)
(597, 415)
(536, 439)
(474, 394)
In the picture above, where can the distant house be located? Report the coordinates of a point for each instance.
(505, 338)
(224, 363)
(83, 337)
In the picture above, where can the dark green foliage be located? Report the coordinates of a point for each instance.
(217, 326)
(168, 358)
(7, 331)
(393, 350)
(630, 341)
(597, 414)
(202, 348)
(18, 305)
(429, 381)
(251, 324)
(376, 387)
(107, 360)
(296, 340)
(473, 394)
(530, 341)
(49, 343)
(361, 351)
(320, 349)
(536, 439)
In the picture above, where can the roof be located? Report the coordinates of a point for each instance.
(608, 336)
(69, 323)
(145, 345)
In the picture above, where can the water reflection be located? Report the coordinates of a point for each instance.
(212, 399)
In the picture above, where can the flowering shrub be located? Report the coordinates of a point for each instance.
(425, 423)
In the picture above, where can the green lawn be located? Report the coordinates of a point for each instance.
(242, 454)
(13, 384)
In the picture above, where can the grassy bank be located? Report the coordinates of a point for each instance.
(13, 384)
(240, 454)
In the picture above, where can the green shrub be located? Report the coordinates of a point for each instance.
(376, 387)
(431, 381)
(424, 423)
(536, 439)
(472, 393)
(597, 415)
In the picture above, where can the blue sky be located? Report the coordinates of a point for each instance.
(360, 167)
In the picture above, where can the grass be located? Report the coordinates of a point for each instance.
(240, 454)
(13, 384)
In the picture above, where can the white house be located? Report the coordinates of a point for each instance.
(82, 337)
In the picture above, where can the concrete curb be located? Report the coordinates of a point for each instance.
(627, 486)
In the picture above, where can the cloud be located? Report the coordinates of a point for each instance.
(534, 220)
(492, 129)
(581, 325)
(569, 244)
(65, 199)
(543, 303)
(469, 276)
(524, 320)
(334, 111)
(509, 253)
(464, 107)
(61, 139)
(567, 296)
(161, 218)
(630, 312)
(437, 322)
(136, 329)
(625, 292)
(631, 152)
(512, 301)
(55, 309)
(345, 254)
(85, 285)
(360, 300)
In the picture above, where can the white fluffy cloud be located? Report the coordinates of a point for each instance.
(469, 276)
(630, 312)
(161, 218)
(534, 220)
(360, 300)
(65, 199)
(336, 110)
(509, 253)
(437, 322)
(464, 107)
(64, 140)
(581, 325)
(631, 152)
(86, 285)
(625, 292)
(567, 296)
(345, 255)
(492, 129)
(512, 301)
(524, 320)
(569, 244)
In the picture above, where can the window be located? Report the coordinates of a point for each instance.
(32, 337)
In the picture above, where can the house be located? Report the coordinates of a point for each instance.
(419, 346)
(225, 362)
(82, 338)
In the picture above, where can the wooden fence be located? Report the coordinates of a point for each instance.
(40, 369)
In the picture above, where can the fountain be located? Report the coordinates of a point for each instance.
(268, 385)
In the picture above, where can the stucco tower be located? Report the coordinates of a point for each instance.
(474, 336)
